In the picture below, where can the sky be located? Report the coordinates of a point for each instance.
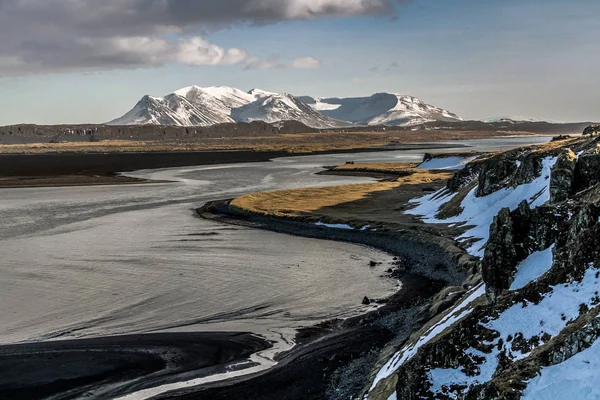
(90, 61)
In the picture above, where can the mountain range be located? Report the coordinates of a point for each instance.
(205, 106)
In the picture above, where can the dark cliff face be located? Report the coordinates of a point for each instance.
(496, 174)
(500, 257)
(569, 223)
(563, 174)
(586, 171)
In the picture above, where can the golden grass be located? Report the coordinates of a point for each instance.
(300, 202)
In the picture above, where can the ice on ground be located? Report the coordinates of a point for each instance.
(334, 226)
(455, 314)
(448, 163)
(550, 316)
(479, 212)
(532, 268)
(576, 378)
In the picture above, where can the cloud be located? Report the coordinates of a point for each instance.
(306, 63)
(272, 62)
(58, 35)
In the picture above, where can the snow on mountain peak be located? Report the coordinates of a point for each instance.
(281, 107)
(383, 109)
(203, 106)
(257, 93)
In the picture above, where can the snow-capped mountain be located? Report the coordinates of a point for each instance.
(171, 110)
(280, 107)
(204, 106)
(381, 109)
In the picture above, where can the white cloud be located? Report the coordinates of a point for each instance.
(83, 35)
(197, 51)
(306, 63)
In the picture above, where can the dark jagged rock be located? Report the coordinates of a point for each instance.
(495, 174)
(465, 176)
(587, 171)
(562, 177)
(530, 168)
(500, 260)
(584, 219)
(592, 130)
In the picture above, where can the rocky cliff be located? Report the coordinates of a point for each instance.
(532, 214)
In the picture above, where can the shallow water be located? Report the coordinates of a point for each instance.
(91, 261)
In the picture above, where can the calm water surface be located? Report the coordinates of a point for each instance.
(90, 261)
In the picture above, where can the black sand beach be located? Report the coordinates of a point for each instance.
(110, 366)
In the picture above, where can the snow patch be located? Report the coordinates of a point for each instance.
(532, 268)
(550, 316)
(576, 378)
(479, 212)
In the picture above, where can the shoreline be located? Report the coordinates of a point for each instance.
(321, 350)
(397, 244)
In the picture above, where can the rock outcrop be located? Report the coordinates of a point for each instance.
(500, 259)
(592, 130)
(496, 173)
(530, 166)
(465, 176)
(587, 171)
(563, 174)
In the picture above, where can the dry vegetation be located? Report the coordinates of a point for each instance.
(365, 201)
